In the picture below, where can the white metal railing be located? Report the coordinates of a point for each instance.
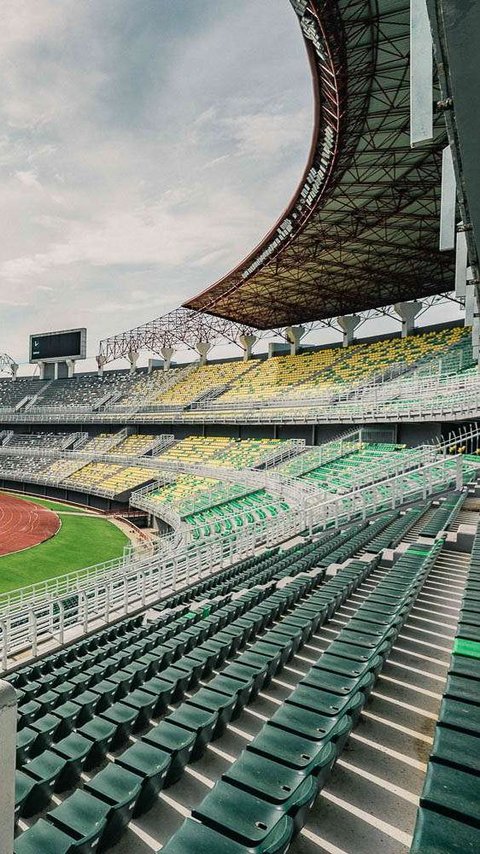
(29, 618)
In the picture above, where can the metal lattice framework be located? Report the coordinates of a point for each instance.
(179, 329)
(8, 364)
(186, 328)
(362, 229)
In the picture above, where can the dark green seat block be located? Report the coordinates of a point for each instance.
(44, 837)
(176, 741)
(162, 691)
(461, 665)
(119, 789)
(459, 715)
(124, 718)
(440, 834)
(85, 819)
(346, 667)
(74, 750)
(456, 748)
(451, 791)
(241, 816)
(303, 754)
(201, 722)
(463, 688)
(144, 703)
(151, 764)
(291, 792)
(232, 688)
(223, 704)
(101, 734)
(196, 838)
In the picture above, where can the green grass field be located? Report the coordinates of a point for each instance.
(82, 540)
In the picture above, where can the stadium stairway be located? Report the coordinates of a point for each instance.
(212, 682)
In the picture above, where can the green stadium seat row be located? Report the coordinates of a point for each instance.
(262, 800)
(448, 817)
(392, 535)
(444, 515)
(160, 756)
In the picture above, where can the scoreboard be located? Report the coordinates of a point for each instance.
(58, 346)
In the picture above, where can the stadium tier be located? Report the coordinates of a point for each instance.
(111, 722)
(435, 367)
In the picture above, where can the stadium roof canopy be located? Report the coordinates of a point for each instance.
(363, 227)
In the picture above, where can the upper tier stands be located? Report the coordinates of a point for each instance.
(278, 381)
(306, 375)
(201, 381)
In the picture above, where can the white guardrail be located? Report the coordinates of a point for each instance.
(60, 609)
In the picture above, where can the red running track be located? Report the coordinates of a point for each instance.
(24, 524)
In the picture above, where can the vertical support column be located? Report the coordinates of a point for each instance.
(348, 323)
(133, 359)
(294, 335)
(167, 353)
(448, 202)
(14, 370)
(461, 264)
(70, 368)
(421, 74)
(8, 737)
(407, 312)
(203, 348)
(42, 366)
(100, 364)
(247, 342)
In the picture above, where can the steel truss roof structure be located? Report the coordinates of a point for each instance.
(178, 329)
(362, 229)
(185, 329)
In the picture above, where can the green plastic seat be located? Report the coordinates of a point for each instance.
(460, 715)
(87, 703)
(302, 754)
(196, 838)
(74, 750)
(176, 741)
(43, 836)
(456, 748)
(101, 734)
(291, 792)
(162, 691)
(124, 718)
(85, 818)
(120, 789)
(435, 833)
(222, 704)
(243, 817)
(144, 703)
(304, 722)
(232, 687)
(202, 722)
(451, 791)
(30, 797)
(152, 765)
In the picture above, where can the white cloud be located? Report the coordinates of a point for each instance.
(28, 179)
(140, 156)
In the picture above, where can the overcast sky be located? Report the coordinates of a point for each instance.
(145, 147)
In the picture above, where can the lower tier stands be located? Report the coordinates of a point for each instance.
(111, 721)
